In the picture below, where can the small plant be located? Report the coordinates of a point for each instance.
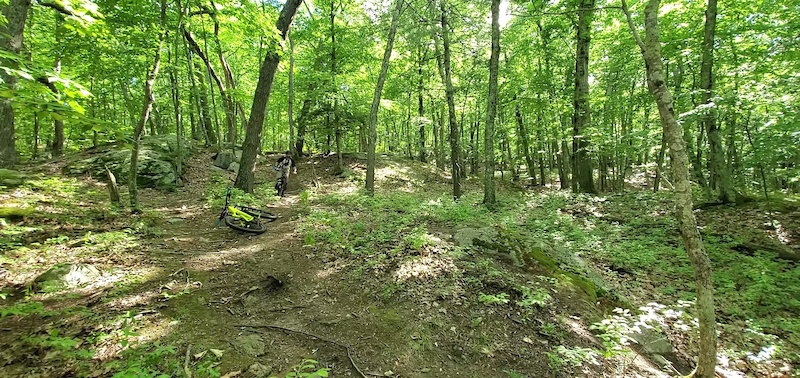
(305, 195)
(25, 309)
(533, 297)
(487, 299)
(574, 357)
(144, 363)
(307, 369)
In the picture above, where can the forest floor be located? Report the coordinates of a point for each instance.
(378, 287)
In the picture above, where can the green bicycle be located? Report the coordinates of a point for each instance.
(243, 218)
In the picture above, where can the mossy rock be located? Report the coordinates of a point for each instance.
(66, 275)
(15, 212)
(10, 178)
(524, 252)
(157, 162)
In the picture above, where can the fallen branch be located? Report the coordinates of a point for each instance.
(349, 356)
(186, 369)
(287, 308)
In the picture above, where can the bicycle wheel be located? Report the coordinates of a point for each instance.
(254, 227)
(258, 213)
(283, 185)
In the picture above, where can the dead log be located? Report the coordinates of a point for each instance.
(113, 189)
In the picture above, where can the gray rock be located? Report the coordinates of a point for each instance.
(250, 345)
(465, 237)
(67, 276)
(11, 178)
(224, 159)
(258, 370)
(234, 167)
(157, 161)
(652, 341)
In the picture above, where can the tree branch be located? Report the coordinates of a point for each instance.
(60, 8)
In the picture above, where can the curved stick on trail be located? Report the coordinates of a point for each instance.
(349, 356)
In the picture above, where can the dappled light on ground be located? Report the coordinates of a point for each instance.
(424, 267)
(384, 280)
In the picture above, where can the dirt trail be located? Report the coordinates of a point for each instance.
(229, 276)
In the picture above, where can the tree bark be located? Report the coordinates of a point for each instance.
(687, 225)
(11, 34)
(582, 166)
(376, 99)
(147, 106)
(523, 136)
(489, 198)
(420, 103)
(255, 125)
(720, 175)
(444, 71)
(227, 101)
(290, 107)
(58, 123)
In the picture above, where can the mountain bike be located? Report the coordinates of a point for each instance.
(281, 185)
(244, 218)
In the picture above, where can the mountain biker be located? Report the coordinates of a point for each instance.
(282, 167)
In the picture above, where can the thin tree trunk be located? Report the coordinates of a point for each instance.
(11, 35)
(58, 123)
(526, 151)
(146, 108)
(176, 104)
(651, 51)
(376, 99)
(420, 105)
(35, 153)
(290, 110)
(489, 198)
(444, 72)
(720, 175)
(582, 170)
(227, 102)
(245, 178)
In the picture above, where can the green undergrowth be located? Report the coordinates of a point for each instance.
(757, 295)
(633, 236)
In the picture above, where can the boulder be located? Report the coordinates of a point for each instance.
(258, 370)
(234, 167)
(67, 276)
(224, 159)
(10, 178)
(157, 161)
(523, 251)
(250, 345)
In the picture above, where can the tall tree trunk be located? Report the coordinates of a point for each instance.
(255, 125)
(526, 150)
(147, 106)
(582, 166)
(211, 131)
(11, 34)
(376, 99)
(176, 104)
(302, 121)
(58, 123)
(651, 51)
(719, 172)
(491, 110)
(444, 71)
(290, 108)
(35, 153)
(227, 102)
(420, 104)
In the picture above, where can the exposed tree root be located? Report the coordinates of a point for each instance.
(349, 355)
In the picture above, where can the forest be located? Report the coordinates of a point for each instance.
(499, 188)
